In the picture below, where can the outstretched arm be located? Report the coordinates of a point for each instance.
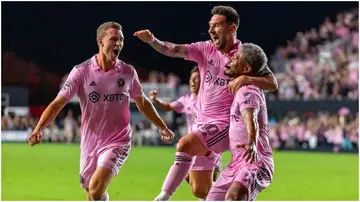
(162, 104)
(163, 47)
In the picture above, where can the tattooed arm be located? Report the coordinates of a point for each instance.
(163, 47)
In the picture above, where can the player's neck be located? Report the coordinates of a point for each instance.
(104, 64)
(229, 46)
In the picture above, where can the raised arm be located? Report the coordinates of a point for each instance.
(163, 47)
(162, 104)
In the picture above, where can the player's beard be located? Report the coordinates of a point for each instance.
(230, 72)
(220, 45)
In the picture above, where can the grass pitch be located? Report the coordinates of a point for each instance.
(51, 172)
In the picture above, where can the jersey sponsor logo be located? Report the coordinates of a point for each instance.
(216, 80)
(94, 97)
(113, 97)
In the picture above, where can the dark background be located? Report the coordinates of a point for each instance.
(59, 35)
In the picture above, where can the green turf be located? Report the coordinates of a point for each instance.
(50, 172)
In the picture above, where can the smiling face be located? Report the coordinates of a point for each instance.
(222, 26)
(237, 65)
(110, 40)
(219, 31)
(194, 82)
(250, 59)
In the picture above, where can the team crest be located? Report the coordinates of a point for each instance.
(120, 82)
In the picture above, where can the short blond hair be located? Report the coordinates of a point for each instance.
(101, 30)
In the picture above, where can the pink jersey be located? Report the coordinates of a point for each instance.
(214, 98)
(251, 97)
(185, 105)
(104, 102)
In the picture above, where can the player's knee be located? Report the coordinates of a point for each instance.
(96, 194)
(96, 191)
(238, 194)
(200, 191)
(183, 145)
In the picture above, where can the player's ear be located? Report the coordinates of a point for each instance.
(99, 42)
(247, 68)
(232, 28)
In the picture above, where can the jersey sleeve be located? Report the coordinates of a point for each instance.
(136, 90)
(249, 99)
(72, 84)
(196, 52)
(179, 105)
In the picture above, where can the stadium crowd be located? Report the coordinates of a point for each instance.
(320, 63)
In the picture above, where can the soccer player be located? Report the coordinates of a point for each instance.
(185, 105)
(252, 167)
(214, 98)
(104, 85)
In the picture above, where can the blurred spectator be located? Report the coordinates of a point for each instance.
(338, 131)
(321, 64)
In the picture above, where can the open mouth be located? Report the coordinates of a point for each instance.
(215, 39)
(227, 67)
(116, 52)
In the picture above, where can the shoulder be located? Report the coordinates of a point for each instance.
(247, 92)
(125, 67)
(85, 65)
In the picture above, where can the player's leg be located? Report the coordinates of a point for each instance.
(237, 192)
(108, 165)
(99, 183)
(201, 182)
(187, 147)
(88, 195)
(201, 174)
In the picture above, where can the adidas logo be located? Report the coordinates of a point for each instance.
(93, 83)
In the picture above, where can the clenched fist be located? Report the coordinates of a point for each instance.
(153, 94)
